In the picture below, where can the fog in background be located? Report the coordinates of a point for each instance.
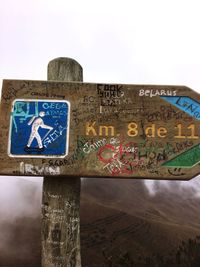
(136, 42)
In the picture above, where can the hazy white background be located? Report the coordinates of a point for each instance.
(127, 41)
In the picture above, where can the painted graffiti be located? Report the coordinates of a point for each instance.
(185, 103)
(118, 157)
(131, 157)
(87, 148)
(115, 130)
(156, 92)
(110, 94)
(39, 128)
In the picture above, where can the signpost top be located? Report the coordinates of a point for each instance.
(99, 130)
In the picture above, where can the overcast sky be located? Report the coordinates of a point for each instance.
(129, 41)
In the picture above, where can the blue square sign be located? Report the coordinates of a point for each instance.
(39, 128)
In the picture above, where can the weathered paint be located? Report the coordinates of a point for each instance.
(39, 128)
(99, 130)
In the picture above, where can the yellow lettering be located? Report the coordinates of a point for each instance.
(180, 134)
(150, 131)
(105, 130)
(193, 129)
(90, 128)
(132, 129)
(162, 132)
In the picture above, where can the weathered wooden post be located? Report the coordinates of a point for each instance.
(61, 196)
(65, 129)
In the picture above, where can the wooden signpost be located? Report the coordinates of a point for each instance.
(60, 229)
(64, 130)
(99, 130)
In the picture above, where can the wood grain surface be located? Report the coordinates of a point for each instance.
(60, 222)
(115, 130)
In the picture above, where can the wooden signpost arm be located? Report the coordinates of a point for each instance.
(61, 196)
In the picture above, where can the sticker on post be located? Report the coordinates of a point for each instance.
(39, 128)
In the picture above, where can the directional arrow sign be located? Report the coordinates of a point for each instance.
(99, 130)
(186, 159)
(185, 103)
(190, 157)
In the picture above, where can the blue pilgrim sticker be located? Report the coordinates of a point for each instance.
(39, 128)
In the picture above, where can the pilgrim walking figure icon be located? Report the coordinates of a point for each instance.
(37, 123)
(39, 128)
